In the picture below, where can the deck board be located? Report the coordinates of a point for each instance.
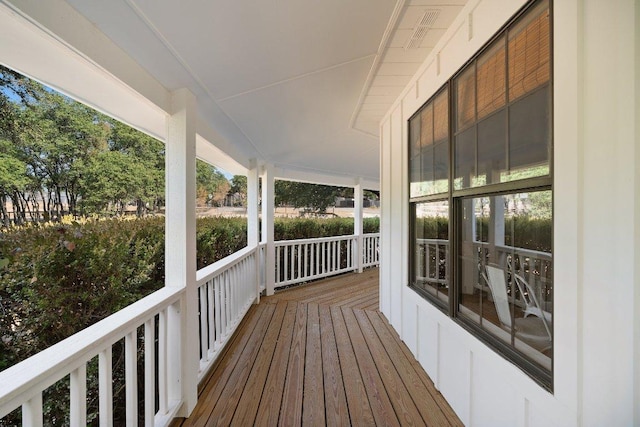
(335, 400)
(320, 354)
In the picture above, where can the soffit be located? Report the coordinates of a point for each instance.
(300, 84)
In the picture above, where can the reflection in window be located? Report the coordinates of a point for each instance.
(506, 270)
(429, 147)
(511, 139)
(431, 248)
(495, 274)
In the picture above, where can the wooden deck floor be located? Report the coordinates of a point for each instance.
(321, 354)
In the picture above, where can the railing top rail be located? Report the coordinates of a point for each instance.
(438, 241)
(217, 267)
(529, 252)
(19, 382)
(321, 239)
(520, 251)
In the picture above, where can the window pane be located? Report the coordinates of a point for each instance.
(506, 270)
(441, 167)
(465, 108)
(427, 170)
(529, 52)
(492, 148)
(432, 248)
(415, 160)
(426, 130)
(429, 157)
(529, 135)
(492, 86)
(441, 116)
(465, 158)
(441, 144)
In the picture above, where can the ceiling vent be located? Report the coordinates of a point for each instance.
(423, 25)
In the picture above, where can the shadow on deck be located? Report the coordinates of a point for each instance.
(319, 354)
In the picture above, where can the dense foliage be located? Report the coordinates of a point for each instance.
(57, 279)
(521, 231)
(304, 228)
(60, 157)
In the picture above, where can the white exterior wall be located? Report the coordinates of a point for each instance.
(596, 219)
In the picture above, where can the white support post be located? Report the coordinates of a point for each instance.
(180, 250)
(496, 229)
(358, 221)
(268, 200)
(253, 219)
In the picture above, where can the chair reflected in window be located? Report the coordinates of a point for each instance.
(533, 330)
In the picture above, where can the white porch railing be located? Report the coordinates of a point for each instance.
(432, 261)
(370, 249)
(535, 267)
(226, 290)
(22, 385)
(303, 260)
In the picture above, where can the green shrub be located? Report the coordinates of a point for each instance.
(305, 228)
(57, 279)
(520, 231)
(218, 237)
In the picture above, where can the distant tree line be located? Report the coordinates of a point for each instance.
(314, 197)
(59, 157)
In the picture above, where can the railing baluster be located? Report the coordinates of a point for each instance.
(218, 309)
(202, 298)
(163, 393)
(105, 380)
(131, 377)
(210, 320)
(306, 260)
(278, 272)
(299, 261)
(32, 411)
(78, 397)
(149, 373)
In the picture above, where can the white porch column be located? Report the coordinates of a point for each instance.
(268, 193)
(180, 249)
(358, 213)
(253, 218)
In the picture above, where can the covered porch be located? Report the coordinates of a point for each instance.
(319, 354)
(337, 93)
(300, 98)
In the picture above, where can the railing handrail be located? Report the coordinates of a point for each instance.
(521, 251)
(279, 243)
(527, 252)
(322, 239)
(22, 381)
(225, 263)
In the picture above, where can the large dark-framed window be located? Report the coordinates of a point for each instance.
(482, 243)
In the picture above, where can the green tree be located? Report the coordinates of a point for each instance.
(109, 180)
(211, 185)
(316, 197)
(13, 181)
(148, 153)
(56, 135)
(239, 188)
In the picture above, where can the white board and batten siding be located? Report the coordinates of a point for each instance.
(596, 268)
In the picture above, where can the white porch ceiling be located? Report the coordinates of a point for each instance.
(300, 84)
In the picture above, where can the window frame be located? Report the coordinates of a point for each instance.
(455, 197)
